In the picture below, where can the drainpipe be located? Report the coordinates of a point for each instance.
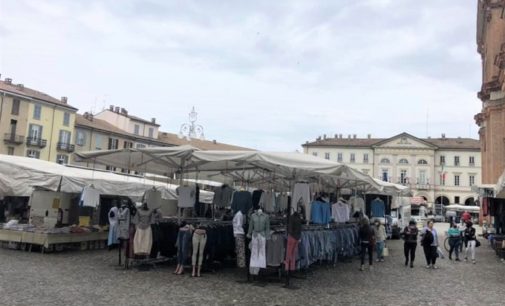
(51, 137)
(1, 106)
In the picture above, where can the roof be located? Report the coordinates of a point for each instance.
(135, 118)
(440, 143)
(106, 127)
(31, 93)
(173, 139)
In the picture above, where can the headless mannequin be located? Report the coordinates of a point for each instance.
(196, 272)
(179, 270)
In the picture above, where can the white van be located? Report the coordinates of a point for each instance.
(419, 214)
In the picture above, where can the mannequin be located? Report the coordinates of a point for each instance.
(238, 233)
(113, 225)
(143, 240)
(259, 231)
(199, 241)
(182, 244)
(123, 229)
(294, 236)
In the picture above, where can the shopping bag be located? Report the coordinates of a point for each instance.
(440, 253)
(385, 252)
(477, 243)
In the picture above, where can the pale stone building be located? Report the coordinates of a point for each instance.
(442, 170)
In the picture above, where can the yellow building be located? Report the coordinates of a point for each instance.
(35, 124)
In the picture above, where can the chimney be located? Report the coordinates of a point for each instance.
(340, 136)
(354, 136)
(153, 120)
(369, 136)
(85, 115)
(214, 141)
(123, 111)
(324, 136)
(8, 81)
(90, 117)
(64, 100)
(116, 109)
(111, 108)
(443, 135)
(336, 136)
(318, 138)
(20, 86)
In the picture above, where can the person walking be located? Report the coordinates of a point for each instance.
(381, 240)
(430, 245)
(471, 241)
(367, 239)
(454, 240)
(410, 233)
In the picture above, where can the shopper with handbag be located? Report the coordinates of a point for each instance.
(430, 245)
(471, 241)
(367, 239)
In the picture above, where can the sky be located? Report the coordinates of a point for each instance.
(268, 75)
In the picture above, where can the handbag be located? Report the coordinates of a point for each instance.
(477, 243)
(385, 252)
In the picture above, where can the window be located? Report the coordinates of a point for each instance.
(353, 157)
(10, 150)
(33, 153)
(456, 160)
(15, 107)
(471, 179)
(127, 144)
(110, 168)
(471, 160)
(80, 138)
(37, 110)
(339, 157)
(66, 119)
(403, 161)
(151, 133)
(141, 145)
(456, 180)
(98, 142)
(385, 161)
(385, 175)
(442, 160)
(422, 177)
(403, 176)
(442, 179)
(62, 159)
(35, 132)
(422, 162)
(136, 129)
(313, 153)
(365, 158)
(65, 137)
(113, 143)
(326, 155)
(456, 200)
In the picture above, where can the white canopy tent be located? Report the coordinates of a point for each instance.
(462, 208)
(250, 167)
(19, 175)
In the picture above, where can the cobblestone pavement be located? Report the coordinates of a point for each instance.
(91, 278)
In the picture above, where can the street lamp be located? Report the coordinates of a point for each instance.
(192, 130)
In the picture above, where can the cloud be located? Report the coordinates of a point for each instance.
(263, 74)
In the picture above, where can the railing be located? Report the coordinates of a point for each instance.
(63, 146)
(422, 186)
(36, 142)
(13, 138)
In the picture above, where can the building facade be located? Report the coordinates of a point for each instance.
(491, 120)
(34, 124)
(442, 170)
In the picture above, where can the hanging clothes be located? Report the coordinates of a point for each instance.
(275, 249)
(113, 226)
(183, 243)
(152, 197)
(301, 196)
(222, 196)
(378, 208)
(238, 233)
(320, 212)
(340, 212)
(90, 197)
(256, 197)
(267, 202)
(187, 196)
(282, 201)
(357, 205)
(258, 256)
(242, 200)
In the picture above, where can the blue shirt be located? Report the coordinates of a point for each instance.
(378, 208)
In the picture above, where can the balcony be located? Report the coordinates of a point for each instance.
(63, 146)
(36, 142)
(422, 186)
(14, 139)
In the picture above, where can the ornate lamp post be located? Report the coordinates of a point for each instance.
(191, 129)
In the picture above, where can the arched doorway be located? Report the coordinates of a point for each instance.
(442, 200)
(470, 201)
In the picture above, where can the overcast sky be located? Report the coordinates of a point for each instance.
(263, 74)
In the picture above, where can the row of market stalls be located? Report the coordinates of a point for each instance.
(266, 179)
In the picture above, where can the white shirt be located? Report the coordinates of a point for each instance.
(90, 197)
(187, 196)
(238, 222)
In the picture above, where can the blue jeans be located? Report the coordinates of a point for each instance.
(380, 249)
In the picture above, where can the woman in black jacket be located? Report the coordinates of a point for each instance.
(409, 247)
(367, 238)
